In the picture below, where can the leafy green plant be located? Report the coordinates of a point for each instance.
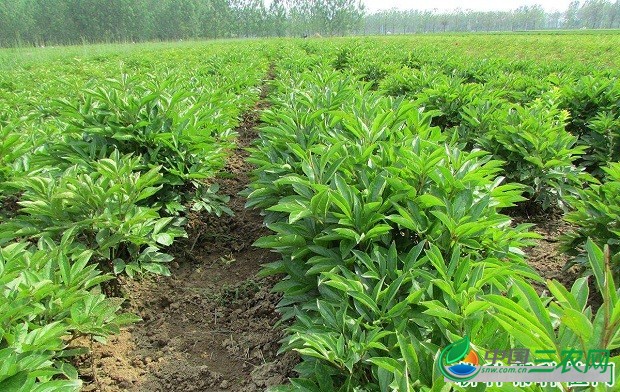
(586, 97)
(50, 298)
(411, 82)
(387, 232)
(163, 122)
(603, 141)
(380, 325)
(343, 59)
(567, 319)
(99, 208)
(448, 96)
(207, 199)
(538, 151)
(596, 215)
(13, 150)
(88, 179)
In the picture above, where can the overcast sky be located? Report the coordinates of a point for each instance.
(478, 5)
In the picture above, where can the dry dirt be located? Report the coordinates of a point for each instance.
(546, 256)
(212, 325)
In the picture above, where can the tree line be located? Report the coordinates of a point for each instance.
(43, 22)
(591, 14)
(52, 22)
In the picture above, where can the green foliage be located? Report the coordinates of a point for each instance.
(99, 208)
(13, 148)
(207, 199)
(524, 129)
(386, 207)
(387, 215)
(343, 59)
(587, 97)
(448, 95)
(596, 215)
(166, 123)
(50, 298)
(593, 102)
(53, 22)
(567, 318)
(387, 232)
(603, 141)
(537, 149)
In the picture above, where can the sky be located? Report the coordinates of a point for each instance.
(477, 5)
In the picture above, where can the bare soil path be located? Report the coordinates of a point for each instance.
(546, 257)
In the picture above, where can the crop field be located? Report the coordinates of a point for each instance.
(306, 214)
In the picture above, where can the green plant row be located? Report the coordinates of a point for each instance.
(393, 243)
(556, 126)
(542, 118)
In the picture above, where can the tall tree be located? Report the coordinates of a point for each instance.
(278, 18)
